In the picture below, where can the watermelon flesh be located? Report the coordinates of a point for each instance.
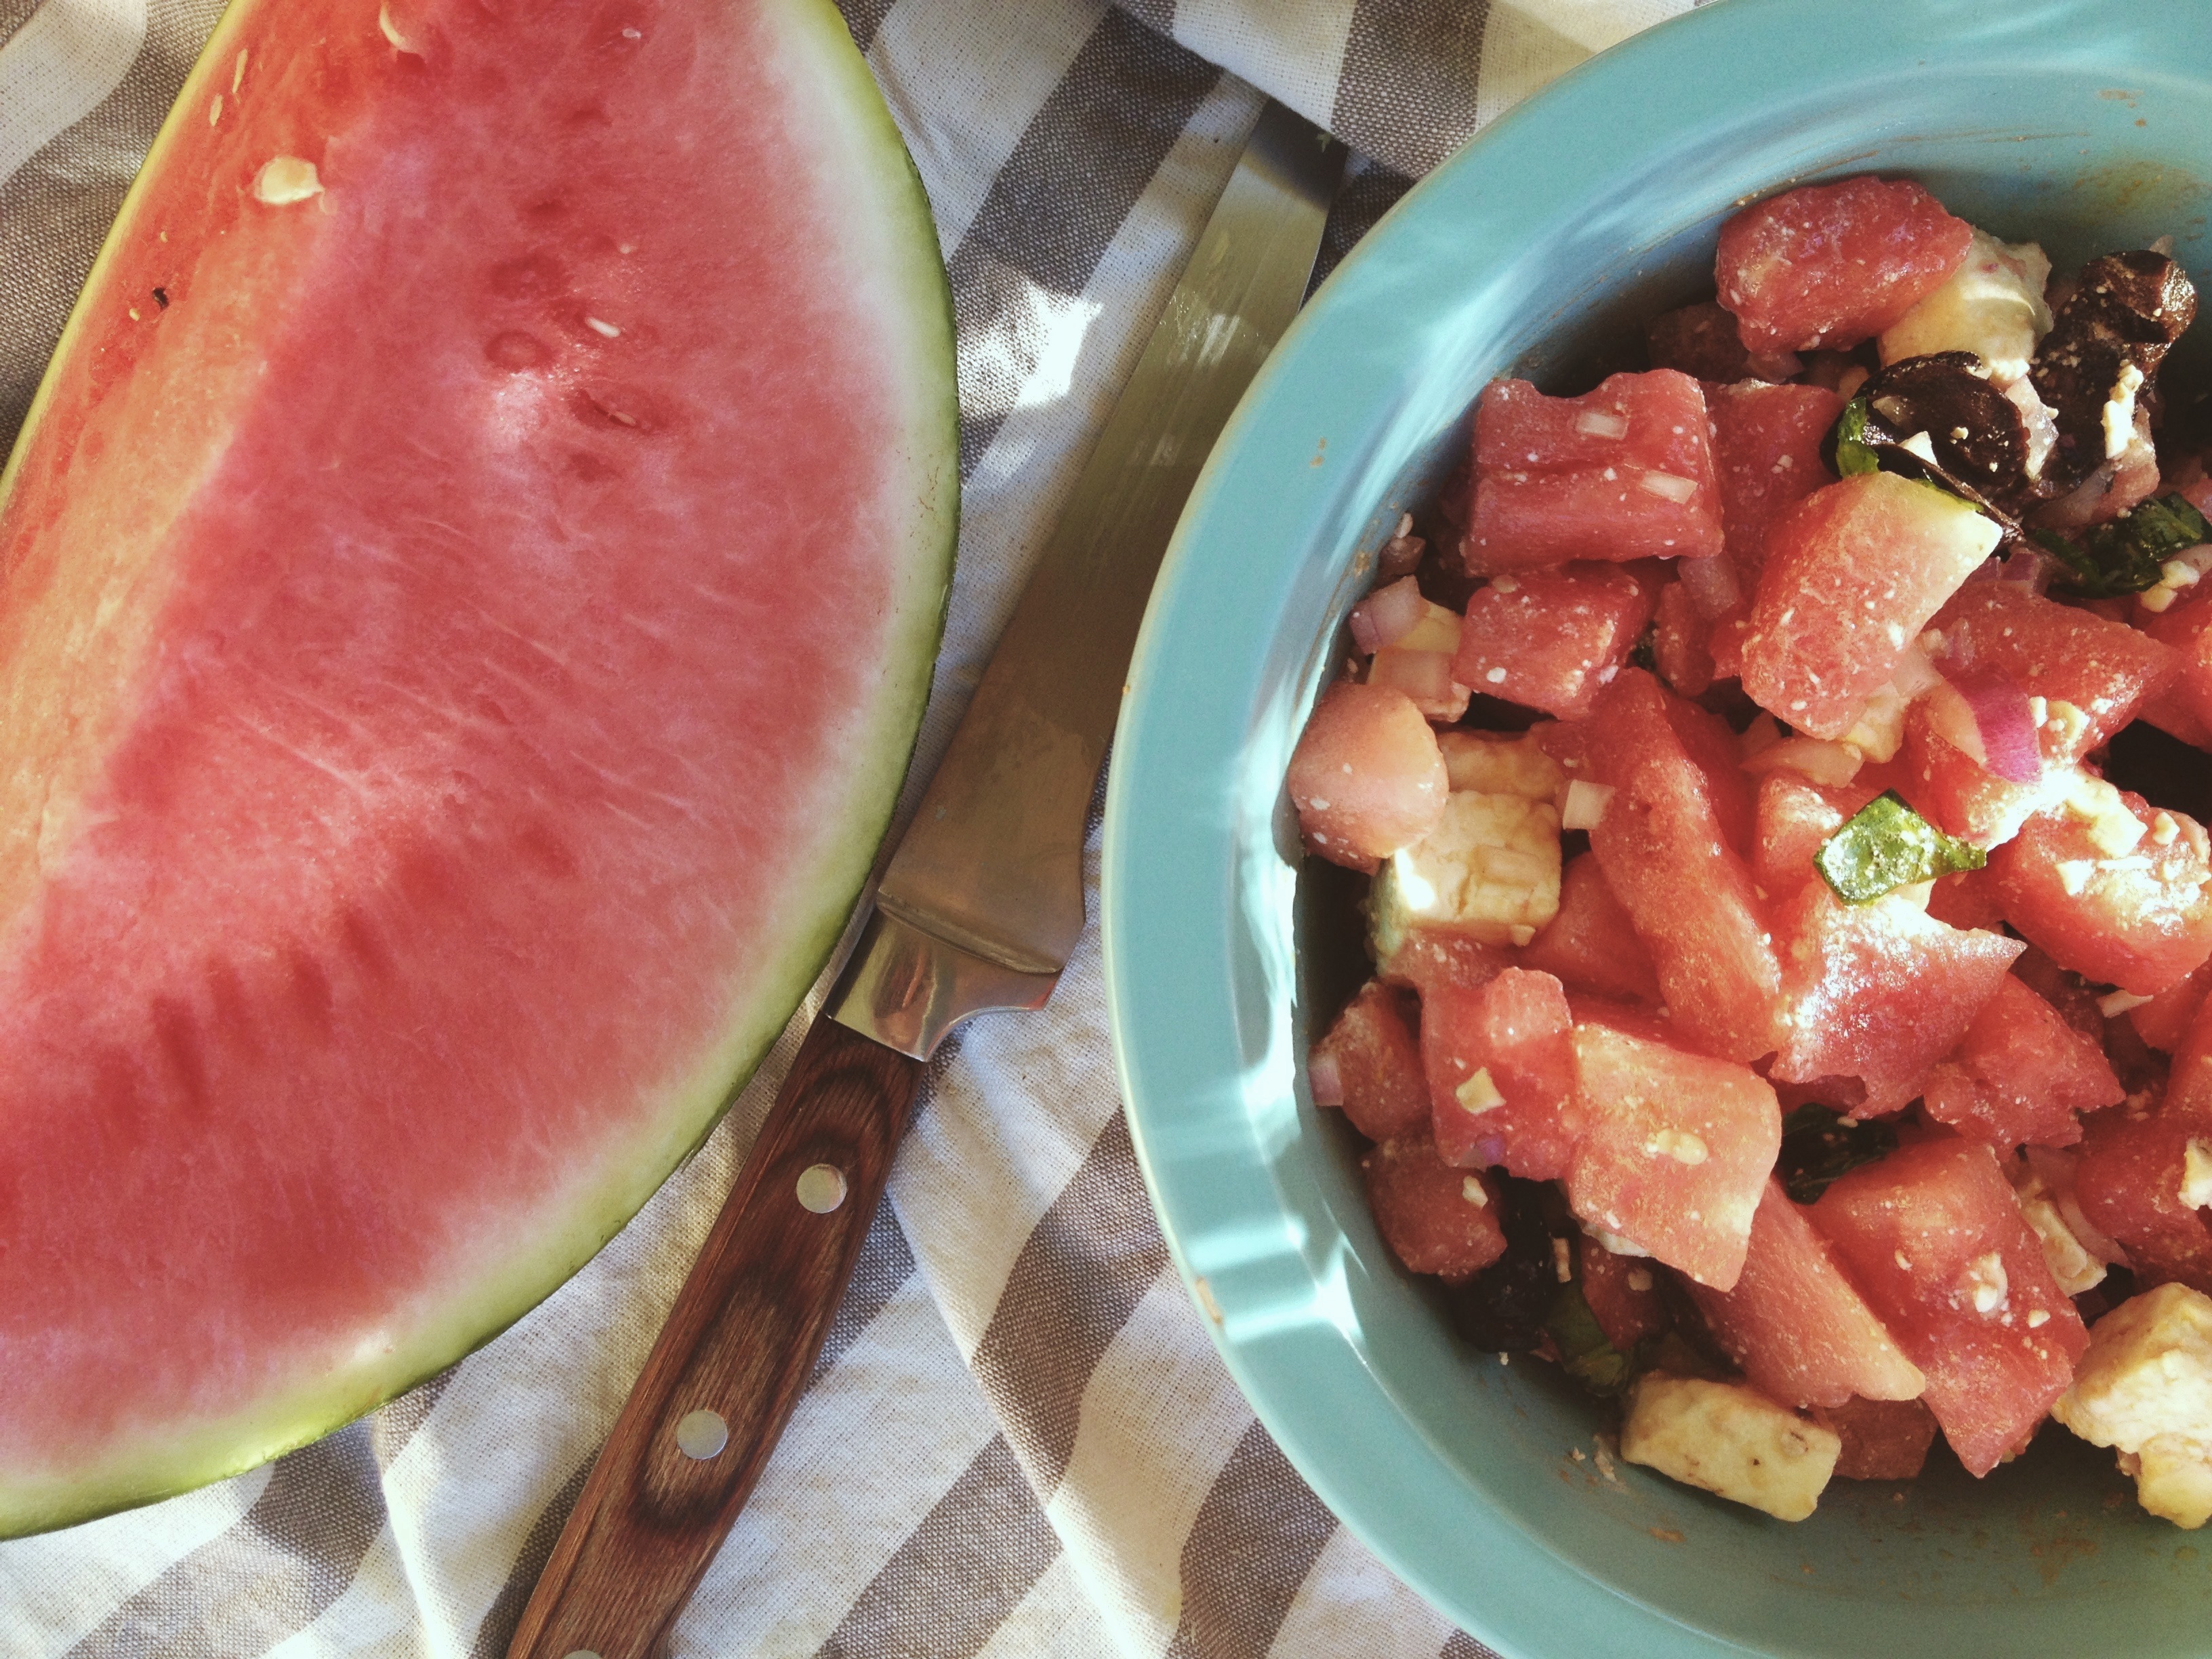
(459, 792)
(1795, 1325)
(1933, 1239)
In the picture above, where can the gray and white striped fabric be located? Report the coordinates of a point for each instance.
(1019, 1442)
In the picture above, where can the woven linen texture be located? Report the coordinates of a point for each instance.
(1018, 1442)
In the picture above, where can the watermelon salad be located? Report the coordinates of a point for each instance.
(1771, 773)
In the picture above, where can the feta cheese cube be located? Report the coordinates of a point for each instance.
(1489, 869)
(1731, 1440)
(1992, 307)
(2145, 1387)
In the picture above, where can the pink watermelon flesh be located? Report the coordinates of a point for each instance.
(1833, 264)
(1853, 573)
(1794, 1323)
(1667, 845)
(1674, 1151)
(521, 660)
(1880, 992)
(1933, 1239)
(1622, 473)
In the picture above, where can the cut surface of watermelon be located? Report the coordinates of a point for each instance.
(471, 576)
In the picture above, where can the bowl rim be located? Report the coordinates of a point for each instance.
(1168, 842)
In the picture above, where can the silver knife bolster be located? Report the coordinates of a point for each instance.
(906, 987)
(993, 861)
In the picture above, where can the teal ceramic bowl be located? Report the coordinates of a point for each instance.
(2085, 124)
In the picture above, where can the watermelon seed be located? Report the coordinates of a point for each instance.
(821, 1188)
(701, 1434)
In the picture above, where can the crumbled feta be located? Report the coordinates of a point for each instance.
(1992, 306)
(2120, 411)
(2196, 1174)
(1680, 1144)
(1731, 1440)
(1479, 1092)
(2145, 1387)
(1983, 1283)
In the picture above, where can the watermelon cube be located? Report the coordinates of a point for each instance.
(1674, 1150)
(1796, 816)
(1934, 1241)
(1966, 899)
(2111, 887)
(2020, 1075)
(2164, 1021)
(1623, 1293)
(2143, 1178)
(1882, 1439)
(1766, 456)
(1553, 639)
(2184, 707)
(1794, 1324)
(1591, 945)
(1622, 473)
(1853, 574)
(1367, 778)
(1679, 642)
(1668, 844)
(2092, 673)
(1500, 1064)
(1948, 783)
(1829, 265)
(1880, 992)
(1369, 1063)
(1429, 959)
(1436, 1219)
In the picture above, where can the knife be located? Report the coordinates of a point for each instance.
(977, 911)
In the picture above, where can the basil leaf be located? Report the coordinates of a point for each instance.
(1818, 1146)
(1889, 845)
(1585, 1353)
(2125, 555)
(1853, 453)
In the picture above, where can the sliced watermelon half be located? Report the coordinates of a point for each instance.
(471, 576)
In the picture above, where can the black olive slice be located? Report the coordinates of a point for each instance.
(2127, 309)
(1935, 418)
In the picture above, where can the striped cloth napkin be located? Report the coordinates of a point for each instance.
(1019, 1441)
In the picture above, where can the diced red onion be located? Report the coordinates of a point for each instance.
(1668, 486)
(1490, 1152)
(1327, 1079)
(1954, 720)
(1599, 423)
(1710, 583)
(1585, 804)
(1381, 619)
(1914, 672)
(2004, 721)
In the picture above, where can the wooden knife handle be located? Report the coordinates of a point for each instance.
(739, 1343)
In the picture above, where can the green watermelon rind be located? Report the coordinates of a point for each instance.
(161, 1460)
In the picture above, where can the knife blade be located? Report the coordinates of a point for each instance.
(977, 910)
